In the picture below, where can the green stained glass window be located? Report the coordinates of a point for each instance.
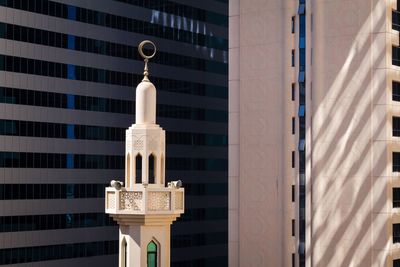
(152, 254)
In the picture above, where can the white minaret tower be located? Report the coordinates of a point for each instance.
(145, 208)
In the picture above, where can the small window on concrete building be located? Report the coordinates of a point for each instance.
(293, 227)
(395, 91)
(396, 161)
(293, 260)
(293, 58)
(293, 24)
(293, 92)
(293, 193)
(293, 159)
(293, 125)
(396, 126)
(396, 233)
(396, 263)
(396, 197)
(395, 55)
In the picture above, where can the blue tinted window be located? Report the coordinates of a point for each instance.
(302, 9)
(70, 161)
(302, 76)
(71, 72)
(301, 111)
(71, 131)
(302, 59)
(302, 144)
(71, 12)
(71, 101)
(71, 42)
(302, 26)
(302, 42)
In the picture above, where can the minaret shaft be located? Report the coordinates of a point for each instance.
(145, 208)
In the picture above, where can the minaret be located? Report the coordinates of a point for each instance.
(144, 207)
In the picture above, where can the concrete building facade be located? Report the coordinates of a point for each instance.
(68, 70)
(314, 133)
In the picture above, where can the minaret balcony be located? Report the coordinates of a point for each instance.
(145, 201)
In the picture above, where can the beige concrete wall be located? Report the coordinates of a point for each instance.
(350, 137)
(349, 142)
(260, 144)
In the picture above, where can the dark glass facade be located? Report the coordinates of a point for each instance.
(302, 130)
(67, 79)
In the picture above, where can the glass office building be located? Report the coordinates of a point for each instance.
(68, 70)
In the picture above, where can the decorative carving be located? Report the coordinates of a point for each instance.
(179, 200)
(138, 142)
(110, 200)
(131, 201)
(159, 201)
(153, 143)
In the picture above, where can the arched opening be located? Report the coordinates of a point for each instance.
(138, 163)
(152, 169)
(128, 170)
(162, 170)
(152, 254)
(124, 253)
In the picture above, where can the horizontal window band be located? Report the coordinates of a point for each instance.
(84, 161)
(88, 132)
(184, 11)
(203, 239)
(57, 252)
(98, 104)
(81, 73)
(103, 19)
(85, 220)
(77, 43)
(79, 191)
(54, 221)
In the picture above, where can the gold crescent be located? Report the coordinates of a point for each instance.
(140, 49)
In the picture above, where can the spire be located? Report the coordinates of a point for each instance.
(146, 91)
(146, 58)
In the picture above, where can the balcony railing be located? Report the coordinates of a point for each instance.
(145, 201)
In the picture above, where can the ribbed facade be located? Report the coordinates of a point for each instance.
(68, 70)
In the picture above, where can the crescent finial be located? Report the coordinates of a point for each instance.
(146, 57)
